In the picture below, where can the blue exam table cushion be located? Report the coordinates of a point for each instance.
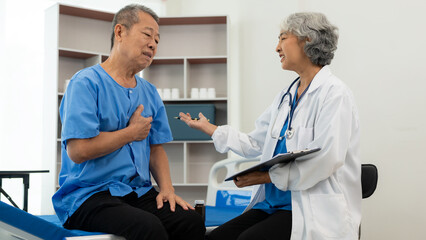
(216, 216)
(49, 226)
(44, 227)
(229, 204)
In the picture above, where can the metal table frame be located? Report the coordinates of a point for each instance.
(25, 175)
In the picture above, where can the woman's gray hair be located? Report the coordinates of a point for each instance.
(129, 15)
(320, 34)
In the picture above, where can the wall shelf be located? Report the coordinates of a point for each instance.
(193, 53)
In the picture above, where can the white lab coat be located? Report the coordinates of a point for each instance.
(325, 187)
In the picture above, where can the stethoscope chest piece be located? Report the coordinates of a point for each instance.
(289, 133)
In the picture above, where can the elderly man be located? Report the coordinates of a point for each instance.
(113, 127)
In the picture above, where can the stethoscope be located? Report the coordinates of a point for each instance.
(289, 133)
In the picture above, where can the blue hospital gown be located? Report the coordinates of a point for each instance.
(95, 103)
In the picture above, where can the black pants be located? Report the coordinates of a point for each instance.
(136, 218)
(255, 224)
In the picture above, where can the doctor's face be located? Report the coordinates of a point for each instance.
(290, 50)
(139, 43)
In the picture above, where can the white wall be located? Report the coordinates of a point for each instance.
(380, 56)
(21, 71)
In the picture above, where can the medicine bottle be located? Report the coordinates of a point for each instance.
(200, 208)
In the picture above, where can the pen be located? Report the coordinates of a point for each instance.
(193, 119)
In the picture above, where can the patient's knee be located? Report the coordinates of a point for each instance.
(251, 235)
(152, 230)
(191, 226)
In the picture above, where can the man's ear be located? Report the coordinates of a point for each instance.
(119, 30)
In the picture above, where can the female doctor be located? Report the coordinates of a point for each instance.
(317, 196)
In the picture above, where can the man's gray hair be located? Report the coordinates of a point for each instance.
(322, 36)
(129, 15)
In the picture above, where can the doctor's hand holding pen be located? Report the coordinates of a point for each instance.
(202, 123)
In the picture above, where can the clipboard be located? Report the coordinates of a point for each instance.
(280, 158)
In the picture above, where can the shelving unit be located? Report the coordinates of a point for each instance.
(193, 53)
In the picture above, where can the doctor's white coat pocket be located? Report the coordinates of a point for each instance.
(330, 214)
(304, 137)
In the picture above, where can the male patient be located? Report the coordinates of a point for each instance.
(113, 127)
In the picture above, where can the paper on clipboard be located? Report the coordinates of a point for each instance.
(280, 158)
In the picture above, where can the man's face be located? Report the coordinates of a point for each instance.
(139, 43)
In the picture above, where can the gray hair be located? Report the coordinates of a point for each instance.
(322, 35)
(129, 15)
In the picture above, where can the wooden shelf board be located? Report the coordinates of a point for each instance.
(192, 60)
(207, 60)
(105, 16)
(192, 20)
(167, 61)
(75, 54)
(86, 13)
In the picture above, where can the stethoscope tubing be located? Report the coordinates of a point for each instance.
(280, 105)
(289, 132)
(288, 93)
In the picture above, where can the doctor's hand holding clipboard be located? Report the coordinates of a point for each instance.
(315, 197)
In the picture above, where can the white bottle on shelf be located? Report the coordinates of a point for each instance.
(203, 93)
(175, 93)
(167, 94)
(195, 93)
(160, 92)
(211, 93)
